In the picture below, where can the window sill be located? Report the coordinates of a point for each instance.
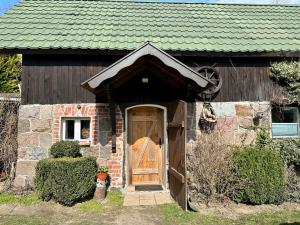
(282, 137)
(81, 143)
(84, 143)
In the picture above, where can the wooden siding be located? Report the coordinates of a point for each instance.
(57, 79)
(51, 79)
(244, 79)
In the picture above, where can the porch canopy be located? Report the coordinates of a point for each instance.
(147, 69)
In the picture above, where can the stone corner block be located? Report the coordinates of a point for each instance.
(29, 111)
(41, 125)
(26, 167)
(46, 112)
(23, 125)
(90, 151)
(28, 140)
(244, 110)
(22, 181)
(45, 140)
(224, 108)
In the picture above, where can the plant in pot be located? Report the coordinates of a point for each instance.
(102, 173)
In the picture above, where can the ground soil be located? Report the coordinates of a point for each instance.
(233, 211)
(69, 215)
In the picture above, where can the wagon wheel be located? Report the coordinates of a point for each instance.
(211, 74)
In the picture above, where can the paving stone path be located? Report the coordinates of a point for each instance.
(147, 198)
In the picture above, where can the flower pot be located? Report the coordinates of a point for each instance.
(101, 176)
(100, 193)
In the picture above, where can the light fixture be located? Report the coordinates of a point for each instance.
(145, 80)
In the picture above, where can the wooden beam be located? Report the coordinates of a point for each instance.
(176, 174)
(146, 50)
(106, 52)
(173, 124)
(144, 171)
(112, 109)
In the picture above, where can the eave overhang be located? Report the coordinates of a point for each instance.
(145, 50)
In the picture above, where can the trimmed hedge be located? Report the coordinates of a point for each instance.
(260, 176)
(289, 150)
(65, 149)
(66, 180)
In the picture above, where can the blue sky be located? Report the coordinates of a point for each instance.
(6, 4)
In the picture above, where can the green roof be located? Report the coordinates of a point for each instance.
(125, 25)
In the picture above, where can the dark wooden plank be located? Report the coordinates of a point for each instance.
(55, 79)
(177, 114)
(24, 84)
(52, 79)
(64, 86)
(105, 53)
(71, 94)
(41, 83)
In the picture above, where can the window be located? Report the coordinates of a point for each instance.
(76, 129)
(285, 122)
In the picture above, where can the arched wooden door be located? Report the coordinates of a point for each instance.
(145, 140)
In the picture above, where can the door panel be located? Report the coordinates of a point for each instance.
(145, 129)
(177, 114)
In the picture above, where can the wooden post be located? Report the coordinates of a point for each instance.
(112, 109)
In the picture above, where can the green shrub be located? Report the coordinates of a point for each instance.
(10, 73)
(263, 138)
(65, 149)
(293, 184)
(287, 74)
(259, 176)
(66, 180)
(289, 150)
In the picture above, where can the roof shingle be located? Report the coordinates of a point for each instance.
(125, 25)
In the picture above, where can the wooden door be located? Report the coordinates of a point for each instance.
(145, 139)
(177, 114)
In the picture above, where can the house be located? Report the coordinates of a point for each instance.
(132, 81)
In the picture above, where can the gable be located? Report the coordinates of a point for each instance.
(146, 50)
(123, 25)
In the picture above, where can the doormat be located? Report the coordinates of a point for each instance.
(148, 188)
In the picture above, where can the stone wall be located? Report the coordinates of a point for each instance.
(40, 126)
(236, 119)
(34, 140)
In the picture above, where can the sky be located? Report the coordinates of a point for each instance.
(6, 4)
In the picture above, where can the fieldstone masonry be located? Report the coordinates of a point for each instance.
(236, 119)
(40, 126)
(34, 140)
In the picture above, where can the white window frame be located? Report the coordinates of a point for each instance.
(298, 124)
(77, 128)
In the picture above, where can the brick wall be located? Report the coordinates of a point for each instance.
(41, 125)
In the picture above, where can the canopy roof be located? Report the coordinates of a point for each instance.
(147, 49)
(123, 25)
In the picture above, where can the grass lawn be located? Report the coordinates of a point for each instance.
(30, 199)
(29, 210)
(113, 201)
(172, 214)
